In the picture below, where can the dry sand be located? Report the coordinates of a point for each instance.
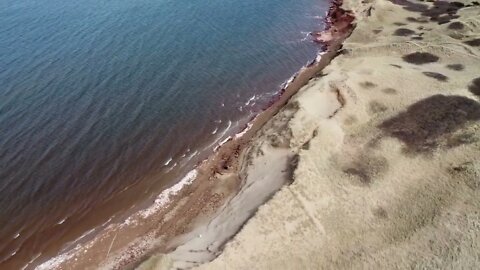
(382, 151)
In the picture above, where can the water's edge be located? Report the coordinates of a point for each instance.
(78, 256)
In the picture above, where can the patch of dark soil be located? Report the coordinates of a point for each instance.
(457, 4)
(380, 212)
(473, 42)
(456, 26)
(437, 76)
(365, 169)
(469, 172)
(420, 58)
(293, 165)
(389, 91)
(427, 120)
(418, 20)
(440, 11)
(360, 173)
(376, 107)
(474, 87)
(403, 32)
(367, 84)
(351, 119)
(460, 139)
(457, 67)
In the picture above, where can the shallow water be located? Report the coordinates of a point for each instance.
(98, 96)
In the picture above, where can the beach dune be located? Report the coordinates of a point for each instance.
(387, 151)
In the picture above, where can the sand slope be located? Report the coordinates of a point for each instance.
(386, 151)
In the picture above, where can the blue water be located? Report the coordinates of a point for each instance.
(96, 96)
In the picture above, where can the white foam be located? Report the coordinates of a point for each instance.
(171, 167)
(108, 221)
(224, 141)
(240, 134)
(16, 236)
(221, 136)
(164, 197)
(289, 81)
(168, 161)
(31, 261)
(228, 126)
(306, 36)
(215, 131)
(62, 221)
(54, 262)
(129, 221)
(85, 234)
(193, 154)
(250, 100)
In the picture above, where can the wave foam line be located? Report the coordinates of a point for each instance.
(164, 197)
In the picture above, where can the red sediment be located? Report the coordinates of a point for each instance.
(338, 23)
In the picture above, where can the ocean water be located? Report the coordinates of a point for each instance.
(104, 102)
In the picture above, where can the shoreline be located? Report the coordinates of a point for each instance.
(221, 161)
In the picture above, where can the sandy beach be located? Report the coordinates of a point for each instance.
(377, 158)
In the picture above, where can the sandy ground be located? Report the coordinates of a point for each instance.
(384, 148)
(379, 156)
